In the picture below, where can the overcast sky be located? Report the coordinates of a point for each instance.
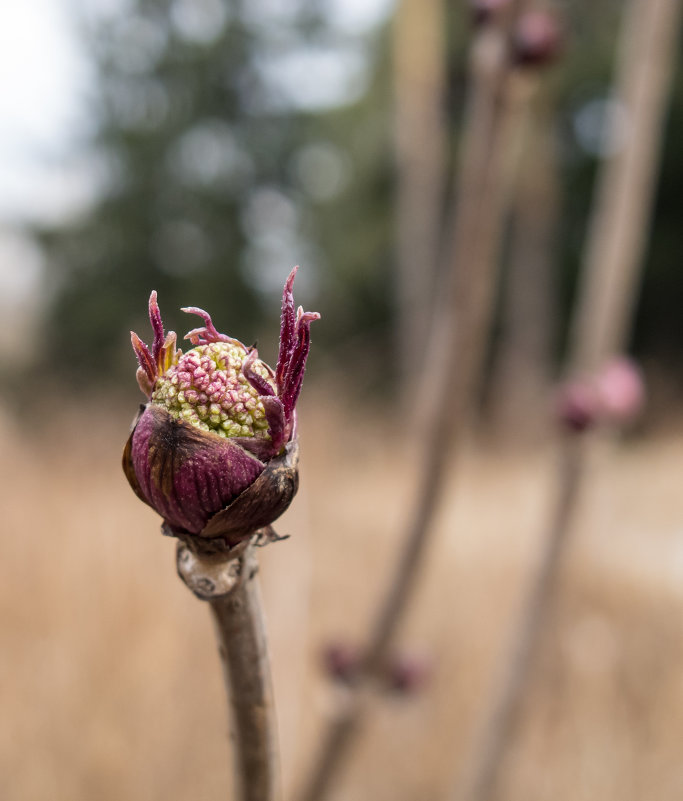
(44, 172)
(44, 76)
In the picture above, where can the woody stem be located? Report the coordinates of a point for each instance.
(230, 586)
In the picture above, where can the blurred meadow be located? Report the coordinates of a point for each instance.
(202, 148)
(110, 683)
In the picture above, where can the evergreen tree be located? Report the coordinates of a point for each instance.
(218, 173)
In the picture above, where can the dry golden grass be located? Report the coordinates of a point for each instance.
(110, 687)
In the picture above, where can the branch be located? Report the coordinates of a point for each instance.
(621, 214)
(419, 67)
(228, 582)
(502, 714)
(455, 354)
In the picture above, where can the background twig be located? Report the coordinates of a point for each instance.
(502, 715)
(620, 219)
(523, 367)
(419, 52)
(456, 348)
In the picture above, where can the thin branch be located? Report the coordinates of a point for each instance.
(460, 334)
(455, 353)
(619, 223)
(419, 67)
(523, 366)
(229, 584)
(602, 321)
(503, 713)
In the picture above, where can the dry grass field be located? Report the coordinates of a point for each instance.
(110, 687)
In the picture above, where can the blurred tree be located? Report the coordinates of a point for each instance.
(233, 139)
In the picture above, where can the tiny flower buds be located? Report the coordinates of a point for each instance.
(614, 396)
(403, 673)
(537, 39)
(341, 661)
(407, 673)
(214, 451)
(577, 406)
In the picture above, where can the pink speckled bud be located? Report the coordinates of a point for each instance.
(214, 451)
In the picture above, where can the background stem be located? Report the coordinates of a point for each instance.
(419, 57)
(606, 299)
(456, 351)
(623, 199)
(509, 692)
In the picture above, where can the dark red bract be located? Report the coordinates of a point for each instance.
(220, 487)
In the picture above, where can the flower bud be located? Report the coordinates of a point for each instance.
(577, 407)
(621, 391)
(537, 39)
(409, 672)
(342, 661)
(613, 396)
(214, 451)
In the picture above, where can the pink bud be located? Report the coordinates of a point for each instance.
(341, 661)
(538, 39)
(577, 406)
(620, 390)
(614, 395)
(407, 673)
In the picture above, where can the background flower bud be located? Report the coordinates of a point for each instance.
(409, 672)
(621, 391)
(577, 407)
(537, 39)
(614, 395)
(342, 661)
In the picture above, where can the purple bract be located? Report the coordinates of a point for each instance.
(214, 449)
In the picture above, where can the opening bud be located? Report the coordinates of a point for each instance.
(214, 451)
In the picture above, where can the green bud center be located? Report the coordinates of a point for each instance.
(207, 389)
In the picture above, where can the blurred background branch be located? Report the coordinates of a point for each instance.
(497, 101)
(602, 319)
(620, 218)
(420, 73)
